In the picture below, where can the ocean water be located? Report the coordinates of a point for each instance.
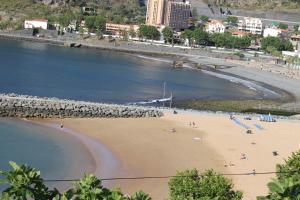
(56, 154)
(105, 76)
(92, 75)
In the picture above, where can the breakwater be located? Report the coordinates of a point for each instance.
(12, 105)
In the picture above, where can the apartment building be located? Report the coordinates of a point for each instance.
(178, 13)
(251, 25)
(155, 12)
(172, 13)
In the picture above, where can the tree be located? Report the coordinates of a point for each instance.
(149, 32)
(277, 43)
(290, 168)
(168, 34)
(286, 185)
(187, 35)
(270, 41)
(201, 37)
(285, 189)
(190, 184)
(232, 20)
(90, 22)
(283, 26)
(24, 183)
(100, 24)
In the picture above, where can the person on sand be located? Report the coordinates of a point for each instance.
(243, 156)
(225, 164)
(194, 124)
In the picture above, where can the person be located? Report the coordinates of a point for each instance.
(61, 126)
(243, 156)
(254, 172)
(194, 124)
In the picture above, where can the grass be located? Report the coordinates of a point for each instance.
(242, 106)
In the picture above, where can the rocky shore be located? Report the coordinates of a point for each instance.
(12, 105)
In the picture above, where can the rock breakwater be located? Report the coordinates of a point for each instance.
(12, 105)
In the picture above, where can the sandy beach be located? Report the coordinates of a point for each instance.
(149, 147)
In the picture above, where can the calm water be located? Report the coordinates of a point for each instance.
(82, 74)
(56, 154)
(85, 74)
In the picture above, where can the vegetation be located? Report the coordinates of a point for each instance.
(26, 183)
(283, 26)
(232, 20)
(200, 37)
(204, 18)
(269, 44)
(190, 184)
(243, 106)
(228, 41)
(286, 185)
(149, 32)
(122, 11)
(168, 34)
(95, 23)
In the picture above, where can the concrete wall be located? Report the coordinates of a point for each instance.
(12, 105)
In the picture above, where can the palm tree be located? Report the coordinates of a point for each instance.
(286, 189)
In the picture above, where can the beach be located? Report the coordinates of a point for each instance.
(162, 146)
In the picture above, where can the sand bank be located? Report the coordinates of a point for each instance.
(148, 147)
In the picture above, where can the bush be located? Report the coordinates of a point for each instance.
(26, 183)
(287, 184)
(290, 169)
(190, 184)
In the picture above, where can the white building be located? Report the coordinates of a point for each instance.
(215, 26)
(273, 32)
(36, 23)
(251, 25)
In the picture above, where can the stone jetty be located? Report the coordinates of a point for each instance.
(13, 105)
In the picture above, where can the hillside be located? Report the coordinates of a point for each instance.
(13, 12)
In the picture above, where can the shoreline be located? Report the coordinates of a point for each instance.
(290, 99)
(105, 162)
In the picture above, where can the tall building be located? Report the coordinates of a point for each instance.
(178, 13)
(251, 25)
(172, 13)
(155, 12)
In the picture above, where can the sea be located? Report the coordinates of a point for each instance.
(92, 75)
